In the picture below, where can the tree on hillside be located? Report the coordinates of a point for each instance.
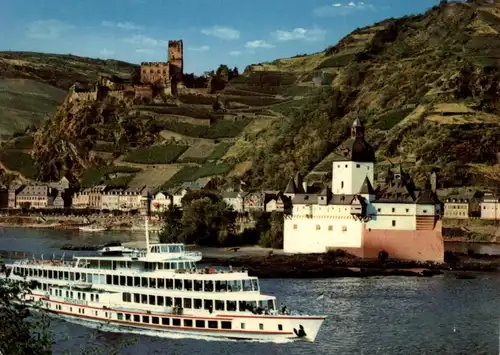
(172, 229)
(273, 237)
(207, 222)
(21, 331)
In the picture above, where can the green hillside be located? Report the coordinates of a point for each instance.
(425, 86)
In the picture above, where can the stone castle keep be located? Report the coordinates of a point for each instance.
(153, 75)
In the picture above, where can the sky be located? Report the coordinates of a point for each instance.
(231, 32)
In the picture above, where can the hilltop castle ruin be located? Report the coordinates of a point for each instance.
(154, 77)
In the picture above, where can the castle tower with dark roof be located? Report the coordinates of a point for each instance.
(353, 162)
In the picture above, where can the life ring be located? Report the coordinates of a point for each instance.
(106, 249)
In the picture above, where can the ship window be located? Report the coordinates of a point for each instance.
(137, 298)
(97, 298)
(109, 279)
(160, 266)
(208, 305)
(123, 280)
(137, 318)
(144, 299)
(393, 210)
(225, 325)
(176, 322)
(169, 284)
(231, 306)
(188, 285)
(407, 210)
(115, 279)
(394, 223)
(188, 322)
(127, 317)
(198, 285)
(247, 285)
(378, 210)
(178, 284)
(425, 211)
(280, 327)
(209, 286)
(130, 281)
(341, 184)
(188, 303)
(127, 297)
(219, 305)
(145, 319)
(255, 285)
(137, 281)
(243, 326)
(83, 296)
(261, 326)
(168, 301)
(160, 301)
(79, 295)
(197, 303)
(120, 316)
(152, 282)
(50, 274)
(66, 275)
(152, 300)
(71, 294)
(178, 301)
(212, 324)
(92, 297)
(144, 282)
(200, 324)
(358, 166)
(165, 321)
(155, 320)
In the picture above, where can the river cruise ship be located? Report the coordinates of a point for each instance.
(161, 289)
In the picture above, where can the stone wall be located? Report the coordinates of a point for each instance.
(155, 72)
(83, 96)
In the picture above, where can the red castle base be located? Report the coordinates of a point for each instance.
(415, 245)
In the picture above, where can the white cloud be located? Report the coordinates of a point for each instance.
(235, 53)
(145, 51)
(145, 41)
(299, 33)
(222, 32)
(199, 49)
(106, 52)
(259, 43)
(121, 25)
(342, 9)
(47, 29)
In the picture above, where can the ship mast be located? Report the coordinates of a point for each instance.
(147, 234)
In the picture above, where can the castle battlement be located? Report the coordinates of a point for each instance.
(154, 64)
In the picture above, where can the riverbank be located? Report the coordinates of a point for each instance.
(118, 223)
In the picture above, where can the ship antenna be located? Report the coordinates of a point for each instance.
(147, 234)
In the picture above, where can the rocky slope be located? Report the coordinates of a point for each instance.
(33, 84)
(425, 86)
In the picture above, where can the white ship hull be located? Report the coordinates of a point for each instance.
(159, 290)
(257, 327)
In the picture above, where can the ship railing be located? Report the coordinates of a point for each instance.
(45, 262)
(211, 271)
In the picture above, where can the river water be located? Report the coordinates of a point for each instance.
(386, 315)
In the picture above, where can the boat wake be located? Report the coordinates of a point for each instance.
(109, 328)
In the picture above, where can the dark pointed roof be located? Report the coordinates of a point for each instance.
(367, 188)
(290, 188)
(355, 148)
(427, 197)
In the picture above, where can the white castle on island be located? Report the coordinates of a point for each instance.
(355, 217)
(159, 289)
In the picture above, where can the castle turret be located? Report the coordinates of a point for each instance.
(353, 162)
